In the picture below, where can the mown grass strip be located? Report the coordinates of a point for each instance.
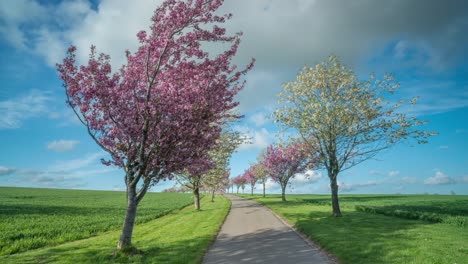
(182, 236)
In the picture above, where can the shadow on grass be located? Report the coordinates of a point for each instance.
(356, 237)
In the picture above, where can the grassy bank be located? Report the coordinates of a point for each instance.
(34, 218)
(370, 237)
(181, 236)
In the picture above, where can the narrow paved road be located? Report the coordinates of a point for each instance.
(252, 234)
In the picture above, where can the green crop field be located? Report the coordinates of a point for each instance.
(381, 228)
(34, 218)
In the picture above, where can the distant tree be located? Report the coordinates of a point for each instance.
(250, 179)
(239, 181)
(260, 172)
(345, 120)
(284, 161)
(165, 108)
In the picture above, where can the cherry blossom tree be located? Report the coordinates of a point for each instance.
(260, 173)
(344, 120)
(165, 108)
(250, 179)
(239, 181)
(284, 161)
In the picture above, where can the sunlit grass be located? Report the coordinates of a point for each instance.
(181, 236)
(33, 218)
(360, 237)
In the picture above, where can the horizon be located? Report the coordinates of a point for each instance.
(43, 145)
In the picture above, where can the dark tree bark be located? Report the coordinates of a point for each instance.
(283, 192)
(264, 189)
(196, 198)
(212, 195)
(334, 197)
(251, 189)
(133, 199)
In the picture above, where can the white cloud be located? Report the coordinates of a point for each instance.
(408, 179)
(258, 119)
(62, 145)
(80, 163)
(6, 171)
(256, 139)
(393, 173)
(438, 179)
(375, 172)
(465, 179)
(14, 112)
(271, 185)
(345, 187)
(310, 176)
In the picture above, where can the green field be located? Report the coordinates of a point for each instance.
(34, 218)
(181, 236)
(381, 228)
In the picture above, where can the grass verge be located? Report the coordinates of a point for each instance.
(182, 236)
(360, 237)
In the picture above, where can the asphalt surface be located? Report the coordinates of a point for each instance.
(252, 234)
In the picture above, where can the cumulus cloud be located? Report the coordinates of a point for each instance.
(14, 112)
(346, 187)
(439, 179)
(408, 179)
(62, 145)
(310, 176)
(6, 171)
(258, 119)
(255, 139)
(393, 173)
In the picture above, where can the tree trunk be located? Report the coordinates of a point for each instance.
(196, 198)
(237, 190)
(283, 192)
(129, 220)
(251, 189)
(212, 195)
(263, 189)
(334, 197)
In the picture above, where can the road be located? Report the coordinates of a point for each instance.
(253, 234)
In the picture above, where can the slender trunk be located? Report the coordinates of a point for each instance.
(129, 220)
(196, 198)
(212, 195)
(237, 190)
(283, 192)
(263, 189)
(334, 197)
(251, 189)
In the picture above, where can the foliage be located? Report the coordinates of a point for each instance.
(283, 162)
(345, 120)
(373, 238)
(240, 182)
(178, 237)
(34, 218)
(165, 108)
(250, 178)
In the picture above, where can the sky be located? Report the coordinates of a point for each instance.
(424, 43)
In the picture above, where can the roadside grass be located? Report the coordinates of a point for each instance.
(361, 237)
(182, 236)
(33, 218)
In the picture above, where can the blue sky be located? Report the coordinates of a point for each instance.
(43, 145)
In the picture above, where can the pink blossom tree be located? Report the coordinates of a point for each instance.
(165, 108)
(250, 178)
(239, 181)
(283, 162)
